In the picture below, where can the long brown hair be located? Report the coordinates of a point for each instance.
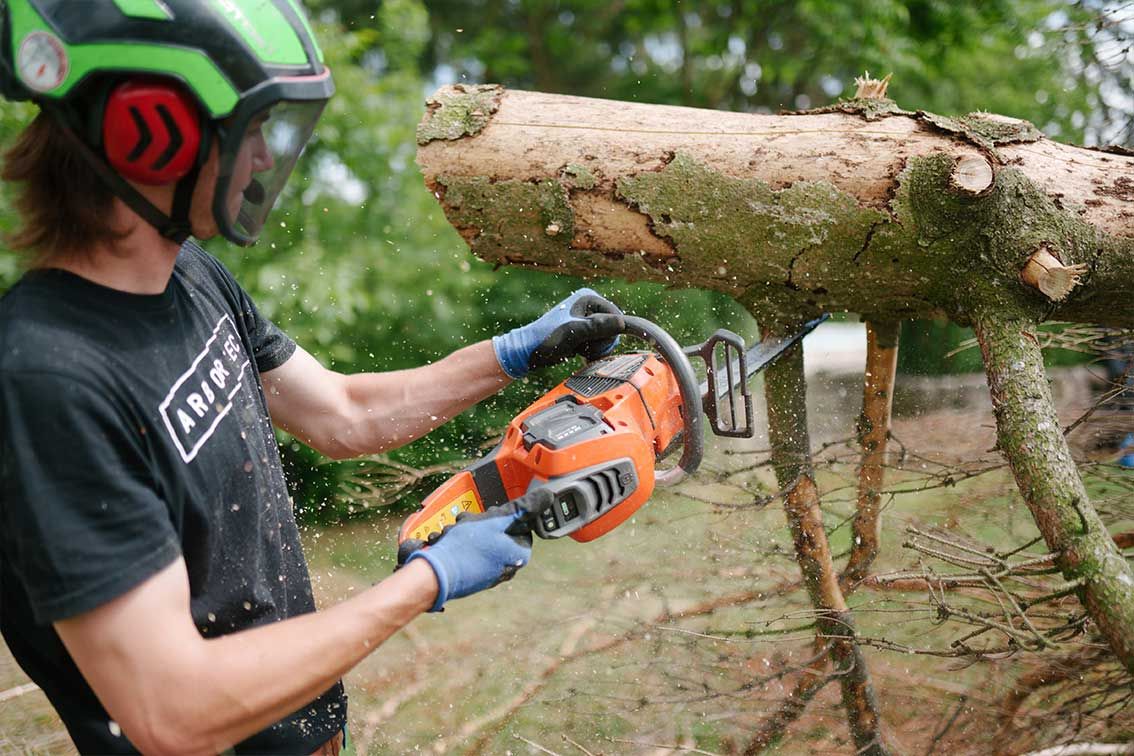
(64, 207)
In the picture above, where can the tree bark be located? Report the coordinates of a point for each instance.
(1031, 438)
(873, 433)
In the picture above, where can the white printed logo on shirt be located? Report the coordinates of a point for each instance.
(202, 396)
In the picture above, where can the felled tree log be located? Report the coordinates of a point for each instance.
(862, 207)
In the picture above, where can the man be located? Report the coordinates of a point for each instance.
(151, 580)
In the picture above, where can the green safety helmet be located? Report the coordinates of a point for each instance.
(144, 87)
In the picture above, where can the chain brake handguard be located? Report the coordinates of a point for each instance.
(734, 362)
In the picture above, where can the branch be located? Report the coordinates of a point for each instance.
(873, 432)
(1031, 438)
(785, 391)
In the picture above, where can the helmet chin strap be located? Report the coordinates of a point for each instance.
(174, 226)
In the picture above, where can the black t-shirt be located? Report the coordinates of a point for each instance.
(134, 429)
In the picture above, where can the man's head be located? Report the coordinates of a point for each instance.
(168, 104)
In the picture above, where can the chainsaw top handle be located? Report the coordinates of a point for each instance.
(693, 438)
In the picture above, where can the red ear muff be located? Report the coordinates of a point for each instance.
(151, 131)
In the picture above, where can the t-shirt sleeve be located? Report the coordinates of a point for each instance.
(81, 520)
(271, 347)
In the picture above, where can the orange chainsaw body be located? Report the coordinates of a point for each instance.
(626, 408)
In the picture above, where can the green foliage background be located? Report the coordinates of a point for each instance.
(360, 267)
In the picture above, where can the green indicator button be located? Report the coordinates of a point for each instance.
(568, 509)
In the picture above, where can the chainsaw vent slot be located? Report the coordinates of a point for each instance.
(606, 374)
(589, 386)
(607, 487)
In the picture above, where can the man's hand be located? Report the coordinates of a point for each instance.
(584, 323)
(481, 550)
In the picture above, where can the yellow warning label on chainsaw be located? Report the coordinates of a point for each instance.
(447, 515)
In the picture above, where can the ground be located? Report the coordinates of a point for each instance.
(588, 651)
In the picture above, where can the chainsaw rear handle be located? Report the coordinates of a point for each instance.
(693, 438)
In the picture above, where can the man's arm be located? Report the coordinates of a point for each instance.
(366, 413)
(351, 415)
(173, 691)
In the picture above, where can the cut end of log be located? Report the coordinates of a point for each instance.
(1045, 272)
(871, 89)
(972, 176)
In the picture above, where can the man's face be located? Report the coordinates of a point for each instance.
(253, 157)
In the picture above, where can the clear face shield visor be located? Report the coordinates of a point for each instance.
(258, 151)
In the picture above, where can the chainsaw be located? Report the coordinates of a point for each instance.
(596, 438)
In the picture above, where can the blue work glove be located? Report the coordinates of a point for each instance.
(584, 323)
(483, 549)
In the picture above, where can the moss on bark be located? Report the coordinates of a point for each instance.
(870, 108)
(972, 251)
(533, 219)
(745, 234)
(462, 110)
(984, 129)
(576, 176)
(794, 252)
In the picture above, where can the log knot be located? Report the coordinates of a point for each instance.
(1044, 271)
(972, 176)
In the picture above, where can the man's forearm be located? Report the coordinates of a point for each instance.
(271, 671)
(175, 691)
(392, 409)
